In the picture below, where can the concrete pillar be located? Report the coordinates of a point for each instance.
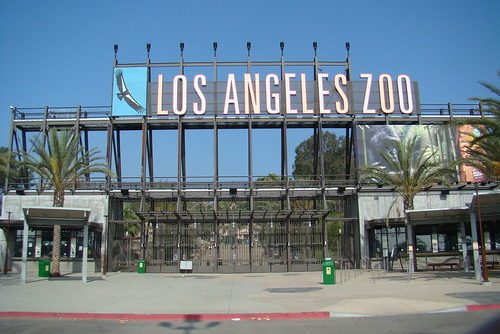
(411, 251)
(475, 246)
(434, 240)
(464, 247)
(85, 252)
(25, 252)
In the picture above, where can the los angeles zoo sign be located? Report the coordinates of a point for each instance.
(261, 94)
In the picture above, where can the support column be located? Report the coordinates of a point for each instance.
(9, 150)
(105, 246)
(464, 247)
(118, 156)
(411, 251)
(475, 246)
(179, 162)
(25, 252)
(216, 164)
(109, 152)
(85, 252)
(287, 227)
(284, 165)
(143, 153)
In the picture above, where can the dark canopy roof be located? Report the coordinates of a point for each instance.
(50, 216)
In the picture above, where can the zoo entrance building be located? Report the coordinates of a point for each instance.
(247, 223)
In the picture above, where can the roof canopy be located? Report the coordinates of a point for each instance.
(488, 205)
(50, 216)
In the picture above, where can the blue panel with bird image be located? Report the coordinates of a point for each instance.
(129, 91)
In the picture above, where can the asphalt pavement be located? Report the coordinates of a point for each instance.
(255, 296)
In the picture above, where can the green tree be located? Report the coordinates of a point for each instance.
(133, 229)
(409, 171)
(16, 172)
(333, 155)
(60, 164)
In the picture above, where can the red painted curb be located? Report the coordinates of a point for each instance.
(171, 317)
(483, 307)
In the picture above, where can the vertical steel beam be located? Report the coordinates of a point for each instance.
(109, 152)
(143, 239)
(284, 146)
(44, 140)
(250, 164)
(10, 148)
(86, 147)
(348, 62)
(118, 156)
(324, 233)
(150, 154)
(347, 152)
(215, 142)
(321, 153)
(288, 242)
(179, 162)
(143, 153)
(354, 153)
(250, 144)
(25, 171)
(317, 131)
(45, 127)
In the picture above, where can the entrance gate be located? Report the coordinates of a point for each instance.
(225, 247)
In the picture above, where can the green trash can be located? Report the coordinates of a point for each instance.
(328, 271)
(44, 268)
(141, 266)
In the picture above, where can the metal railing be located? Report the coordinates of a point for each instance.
(87, 112)
(190, 183)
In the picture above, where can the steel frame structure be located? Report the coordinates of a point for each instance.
(148, 187)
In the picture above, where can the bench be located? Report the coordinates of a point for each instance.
(434, 265)
(492, 264)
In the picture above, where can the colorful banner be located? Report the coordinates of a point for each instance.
(465, 134)
(371, 140)
(129, 91)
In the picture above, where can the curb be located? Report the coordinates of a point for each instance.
(215, 317)
(163, 317)
(483, 307)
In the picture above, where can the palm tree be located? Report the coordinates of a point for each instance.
(61, 164)
(409, 171)
(483, 152)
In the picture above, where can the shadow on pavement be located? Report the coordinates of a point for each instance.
(190, 325)
(486, 297)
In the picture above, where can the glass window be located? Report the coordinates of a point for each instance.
(394, 238)
(401, 236)
(44, 237)
(424, 243)
(46, 242)
(19, 244)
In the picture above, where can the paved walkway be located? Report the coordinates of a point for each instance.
(230, 294)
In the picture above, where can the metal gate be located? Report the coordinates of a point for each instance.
(126, 251)
(225, 247)
(233, 251)
(306, 246)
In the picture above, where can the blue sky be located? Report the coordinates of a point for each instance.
(60, 53)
